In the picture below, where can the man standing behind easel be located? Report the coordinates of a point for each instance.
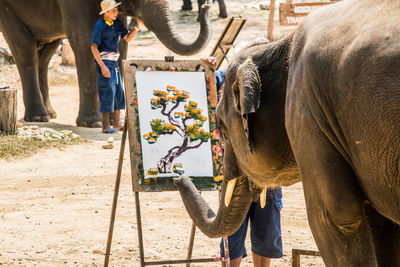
(265, 232)
(107, 33)
(265, 221)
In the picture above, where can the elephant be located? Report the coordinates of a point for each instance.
(187, 5)
(34, 29)
(320, 106)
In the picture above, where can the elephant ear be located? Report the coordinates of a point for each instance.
(247, 92)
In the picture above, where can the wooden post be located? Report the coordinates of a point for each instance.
(271, 16)
(8, 110)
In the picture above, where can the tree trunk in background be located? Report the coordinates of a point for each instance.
(8, 110)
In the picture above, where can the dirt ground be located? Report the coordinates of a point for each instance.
(55, 206)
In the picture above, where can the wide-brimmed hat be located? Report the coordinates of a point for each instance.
(106, 5)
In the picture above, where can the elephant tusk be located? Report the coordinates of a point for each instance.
(263, 197)
(229, 191)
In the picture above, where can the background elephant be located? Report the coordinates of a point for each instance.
(34, 29)
(322, 104)
(187, 5)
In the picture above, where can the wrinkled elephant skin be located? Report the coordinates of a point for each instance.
(323, 105)
(34, 29)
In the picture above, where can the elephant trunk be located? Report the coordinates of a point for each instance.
(230, 215)
(156, 16)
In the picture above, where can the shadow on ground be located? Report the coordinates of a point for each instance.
(93, 134)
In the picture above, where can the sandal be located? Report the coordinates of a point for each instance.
(110, 131)
(120, 128)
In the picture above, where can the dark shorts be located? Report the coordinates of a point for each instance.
(111, 91)
(265, 229)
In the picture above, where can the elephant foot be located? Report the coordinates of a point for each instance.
(187, 7)
(89, 121)
(223, 15)
(36, 118)
(95, 124)
(52, 113)
(36, 113)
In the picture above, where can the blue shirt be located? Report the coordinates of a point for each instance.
(220, 77)
(107, 37)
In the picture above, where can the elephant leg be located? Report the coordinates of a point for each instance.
(333, 199)
(123, 46)
(89, 111)
(222, 9)
(199, 4)
(187, 5)
(79, 33)
(123, 51)
(386, 236)
(24, 49)
(45, 54)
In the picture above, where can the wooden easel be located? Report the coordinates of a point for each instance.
(188, 259)
(139, 220)
(226, 40)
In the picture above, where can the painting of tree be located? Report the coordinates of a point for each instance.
(187, 123)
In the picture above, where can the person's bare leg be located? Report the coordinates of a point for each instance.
(117, 120)
(106, 121)
(260, 261)
(233, 263)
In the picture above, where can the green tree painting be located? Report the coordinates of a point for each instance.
(187, 124)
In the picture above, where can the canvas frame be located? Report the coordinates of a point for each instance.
(140, 184)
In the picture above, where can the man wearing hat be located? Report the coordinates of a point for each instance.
(107, 33)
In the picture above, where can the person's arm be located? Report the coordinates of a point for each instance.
(135, 30)
(104, 70)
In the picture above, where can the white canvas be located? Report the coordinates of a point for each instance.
(196, 162)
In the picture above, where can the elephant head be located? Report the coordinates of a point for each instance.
(257, 152)
(157, 18)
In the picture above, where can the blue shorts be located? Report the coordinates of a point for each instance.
(111, 91)
(265, 231)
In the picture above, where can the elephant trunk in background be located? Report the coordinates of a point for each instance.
(228, 219)
(156, 16)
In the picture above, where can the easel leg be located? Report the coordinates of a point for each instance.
(224, 53)
(139, 228)
(116, 192)
(191, 241)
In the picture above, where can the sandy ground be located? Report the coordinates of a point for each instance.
(55, 206)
